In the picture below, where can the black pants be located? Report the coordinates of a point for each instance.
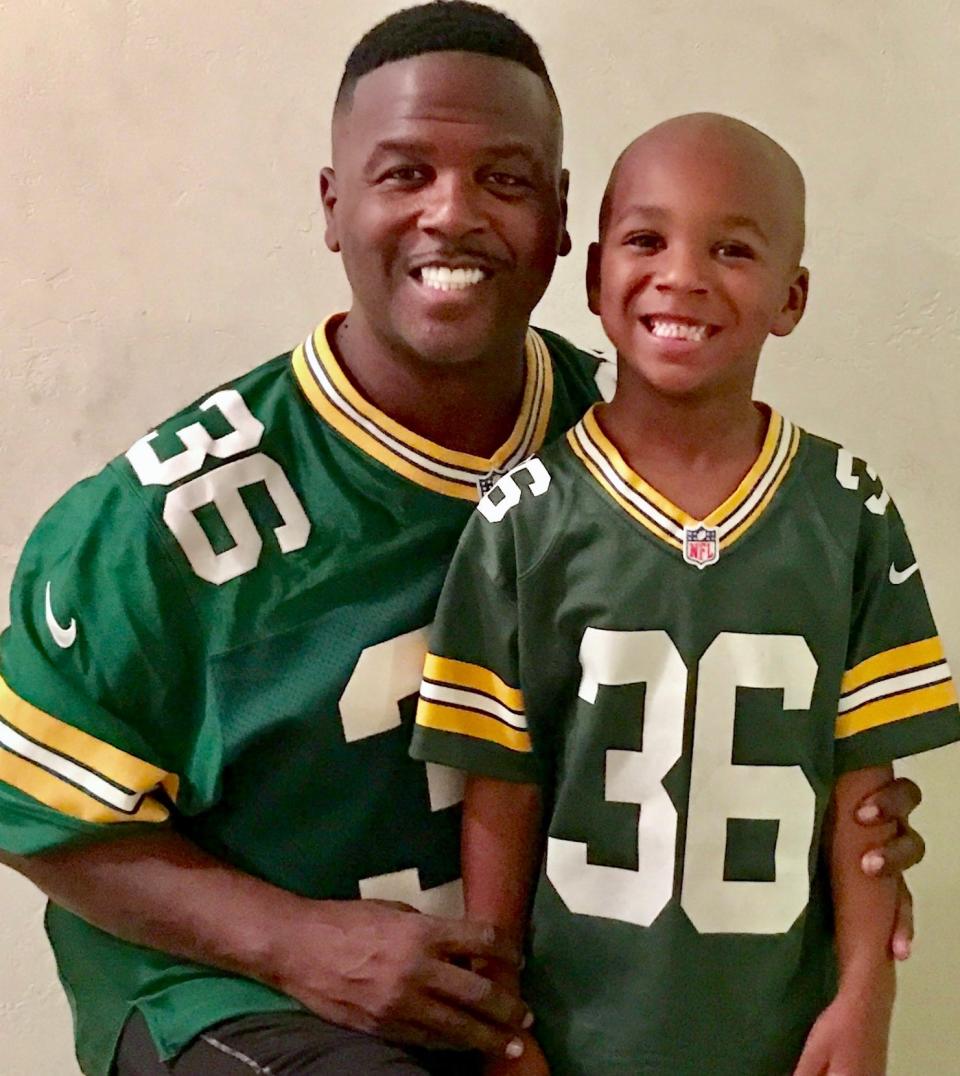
(283, 1044)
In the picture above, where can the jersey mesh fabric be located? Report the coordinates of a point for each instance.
(683, 721)
(223, 632)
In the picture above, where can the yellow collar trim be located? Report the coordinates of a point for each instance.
(663, 518)
(455, 474)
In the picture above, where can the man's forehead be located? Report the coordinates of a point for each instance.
(449, 87)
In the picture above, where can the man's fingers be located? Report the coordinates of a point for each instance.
(892, 802)
(472, 991)
(446, 1027)
(902, 941)
(465, 938)
(897, 855)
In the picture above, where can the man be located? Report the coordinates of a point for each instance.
(215, 644)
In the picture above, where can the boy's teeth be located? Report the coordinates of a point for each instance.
(678, 330)
(444, 278)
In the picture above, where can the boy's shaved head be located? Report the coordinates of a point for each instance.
(715, 138)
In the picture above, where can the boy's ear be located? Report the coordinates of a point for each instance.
(792, 310)
(593, 278)
(328, 196)
(566, 244)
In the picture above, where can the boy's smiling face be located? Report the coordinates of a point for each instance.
(698, 260)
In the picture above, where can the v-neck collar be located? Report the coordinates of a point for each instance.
(455, 474)
(648, 507)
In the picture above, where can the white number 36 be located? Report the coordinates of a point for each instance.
(221, 488)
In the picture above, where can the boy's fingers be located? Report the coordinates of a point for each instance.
(900, 853)
(902, 941)
(893, 802)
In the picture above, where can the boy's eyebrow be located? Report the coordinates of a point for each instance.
(735, 220)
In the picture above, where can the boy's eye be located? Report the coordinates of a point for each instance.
(646, 242)
(732, 249)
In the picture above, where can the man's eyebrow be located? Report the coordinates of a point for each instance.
(413, 148)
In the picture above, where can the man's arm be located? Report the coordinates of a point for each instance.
(851, 1034)
(370, 965)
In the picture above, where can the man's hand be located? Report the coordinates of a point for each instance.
(893, 803)
(383, 968)
(530, 1063)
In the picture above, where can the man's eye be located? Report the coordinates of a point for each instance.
(405, 173)
(645, 242)
(507, 179)
(735, 250)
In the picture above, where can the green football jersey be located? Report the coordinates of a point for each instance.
(686, 692)
(223, 632)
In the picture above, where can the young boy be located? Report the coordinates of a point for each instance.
(689, 639)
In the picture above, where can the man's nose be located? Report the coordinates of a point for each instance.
(451, 206)
(680, 268)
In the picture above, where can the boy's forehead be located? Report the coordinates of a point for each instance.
(719, 159)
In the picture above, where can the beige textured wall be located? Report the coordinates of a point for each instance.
(161, 232)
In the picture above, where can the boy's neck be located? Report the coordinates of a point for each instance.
(693, 451)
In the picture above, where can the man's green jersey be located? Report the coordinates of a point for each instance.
(687, 692)
(223, 632)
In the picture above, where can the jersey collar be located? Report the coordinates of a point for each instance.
(660, 516)
(455, 474)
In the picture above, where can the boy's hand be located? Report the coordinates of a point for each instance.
(530, 1063)
(893, 803)
(849, 1038)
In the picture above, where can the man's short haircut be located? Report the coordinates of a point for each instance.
(441, 26)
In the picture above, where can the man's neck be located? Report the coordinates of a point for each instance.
(694, 451)
(468, 407)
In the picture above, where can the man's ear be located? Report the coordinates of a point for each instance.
(593, 278)
(792, 310)
(566, 244)
(328, 196)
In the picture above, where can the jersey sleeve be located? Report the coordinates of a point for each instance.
(99, 684)
(471, 713)
(897, 696)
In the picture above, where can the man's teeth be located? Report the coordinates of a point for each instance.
(678, 330)
(443, 278)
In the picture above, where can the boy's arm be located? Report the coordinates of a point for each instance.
(851, 1034)
(500, 856)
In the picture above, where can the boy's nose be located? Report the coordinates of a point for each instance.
(451, 207)
(681, 270)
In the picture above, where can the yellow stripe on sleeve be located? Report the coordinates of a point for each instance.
(884, 711)
(474, 677)
(433, 715)
(900, 659)
(102, 759)
(65, 798)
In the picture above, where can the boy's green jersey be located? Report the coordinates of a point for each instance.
(687, 693)
(224, 632)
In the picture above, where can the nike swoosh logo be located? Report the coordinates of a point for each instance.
(898, 577)
(64, 637)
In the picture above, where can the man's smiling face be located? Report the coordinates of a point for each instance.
(447, 203)
(699, 258)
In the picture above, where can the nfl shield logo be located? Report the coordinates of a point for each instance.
(700, 546)
(488, 481)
